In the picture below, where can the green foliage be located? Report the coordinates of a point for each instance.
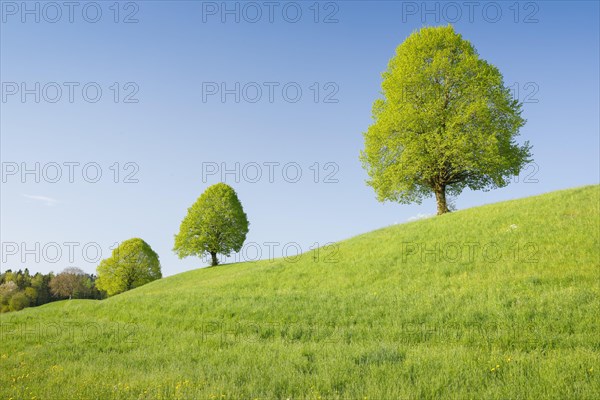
(215, 224)
(72, 282)
(446, 122)
(41, 283)
(18, 301)
(131, 265)
(32, 294)
(379, 323)
(7, 290)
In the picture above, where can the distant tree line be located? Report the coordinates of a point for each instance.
(20, 289)
(215, 224)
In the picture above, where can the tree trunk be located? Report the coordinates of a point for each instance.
(214, 258)
(440, 197)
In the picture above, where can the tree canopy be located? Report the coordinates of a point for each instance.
(72, 282)
(215, 224)
(446, 122)
(131, 265)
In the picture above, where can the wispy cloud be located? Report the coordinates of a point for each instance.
(49, 201)
(419, 216)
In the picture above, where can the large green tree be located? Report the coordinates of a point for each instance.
(215, 224)
(446, 122)
(131, 265)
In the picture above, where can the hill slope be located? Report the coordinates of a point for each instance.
(500, 301)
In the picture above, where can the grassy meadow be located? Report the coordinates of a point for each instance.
(500, 301)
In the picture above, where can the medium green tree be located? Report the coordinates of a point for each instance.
(131, 265)
(446, 122)
(215, 224)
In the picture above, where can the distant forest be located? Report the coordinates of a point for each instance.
(20, 289)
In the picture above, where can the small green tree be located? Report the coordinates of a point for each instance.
(446, 122)
(131, 265)
(19, 301)
(215, 224)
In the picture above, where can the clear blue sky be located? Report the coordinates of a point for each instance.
(173, 55)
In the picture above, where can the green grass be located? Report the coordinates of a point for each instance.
(385, 321)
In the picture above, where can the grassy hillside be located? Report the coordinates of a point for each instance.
(499, 301)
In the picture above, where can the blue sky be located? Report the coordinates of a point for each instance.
(167, 127)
